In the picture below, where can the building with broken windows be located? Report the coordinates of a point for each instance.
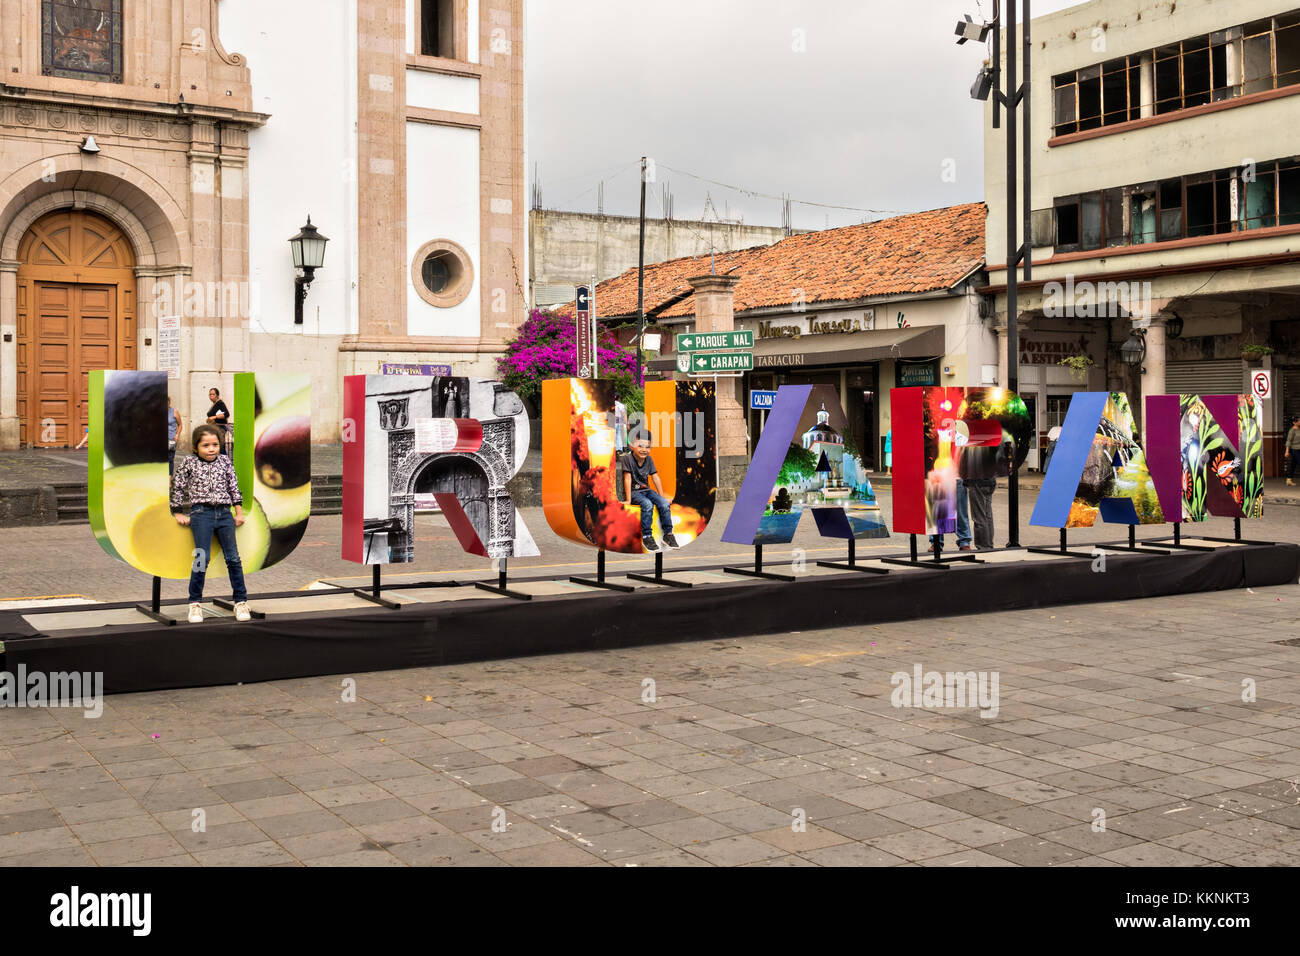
(1165, 203)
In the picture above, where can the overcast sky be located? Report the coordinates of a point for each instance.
(865, 115)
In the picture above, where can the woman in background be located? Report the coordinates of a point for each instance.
(173, 426)
(218, 415)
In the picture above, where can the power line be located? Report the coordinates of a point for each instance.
(607, 178)
(755, 194)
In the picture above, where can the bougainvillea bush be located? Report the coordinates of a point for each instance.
(546, 346)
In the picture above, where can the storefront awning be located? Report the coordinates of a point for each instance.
(840, 348)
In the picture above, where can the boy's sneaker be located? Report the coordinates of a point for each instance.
(241, 612)
(671, 541)
(651, 544)
(196, 613)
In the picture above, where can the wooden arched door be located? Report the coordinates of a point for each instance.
(76, 313)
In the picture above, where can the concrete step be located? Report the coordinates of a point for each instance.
(326, 494)
(70, 503)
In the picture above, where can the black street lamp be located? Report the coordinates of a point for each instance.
(1134, 349)
(308, 255)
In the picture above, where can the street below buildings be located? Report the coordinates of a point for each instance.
(1121, 738)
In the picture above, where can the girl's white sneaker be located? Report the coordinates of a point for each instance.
(241, 612)
(196, 613)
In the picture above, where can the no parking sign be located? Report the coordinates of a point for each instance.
(1261, 383)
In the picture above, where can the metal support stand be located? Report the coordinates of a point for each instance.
(1133, 545)
(936, 563)
(853, 562)
(230, 606)
(373, 594)
(1235, 539)
(1177, 541)
(154, 609)
(757, 570)
(599, 580)
(1062, 551)
(500, 586)
(658, 577)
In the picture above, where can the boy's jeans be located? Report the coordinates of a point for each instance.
(648, 500)
(205, 520)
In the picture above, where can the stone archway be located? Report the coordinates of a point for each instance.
(139, 204)
(152, 235)
(76, 312)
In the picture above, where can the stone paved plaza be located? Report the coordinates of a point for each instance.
(1131, 710)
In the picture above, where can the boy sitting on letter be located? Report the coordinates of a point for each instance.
(639, 475)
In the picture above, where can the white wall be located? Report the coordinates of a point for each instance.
(303, 161)
(442, 202)
(434, 91)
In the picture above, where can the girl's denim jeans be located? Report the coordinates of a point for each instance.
(206, 520)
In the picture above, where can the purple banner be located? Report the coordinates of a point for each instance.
(434, 371)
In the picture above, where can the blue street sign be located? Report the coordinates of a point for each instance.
(761, 401)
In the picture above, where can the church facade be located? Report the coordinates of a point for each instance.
(157, 155)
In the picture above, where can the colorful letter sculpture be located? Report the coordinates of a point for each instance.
(128, 486)
(581, 478)
(940, 434)
(805, 430)
(423, 443)
(1206, 455)
(1098, 468)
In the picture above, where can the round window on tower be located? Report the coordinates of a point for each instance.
(436, 272)
(442, 273)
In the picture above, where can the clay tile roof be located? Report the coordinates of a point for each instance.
(920, 252)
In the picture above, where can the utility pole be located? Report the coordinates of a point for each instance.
(1016, 251)
(640, 281)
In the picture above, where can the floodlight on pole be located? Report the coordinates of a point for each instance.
(983, 84)
(969, 29)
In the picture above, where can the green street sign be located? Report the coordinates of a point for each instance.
(708, 341)
(713, 363)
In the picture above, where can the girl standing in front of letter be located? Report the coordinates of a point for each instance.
(206, 480)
